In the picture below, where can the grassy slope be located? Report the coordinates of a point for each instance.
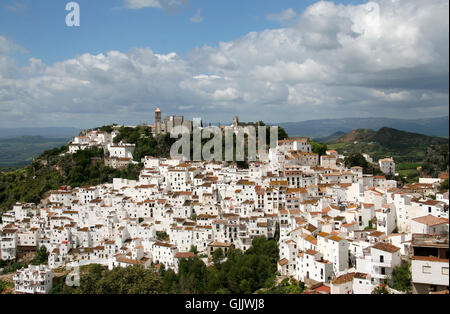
(403, 146)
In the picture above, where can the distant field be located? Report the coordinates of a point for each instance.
(20, 151)
(407, 166)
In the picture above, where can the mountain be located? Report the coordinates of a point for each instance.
(403, 146)
(20, 151)
(330, 138)
(50, 132)
(323, 128)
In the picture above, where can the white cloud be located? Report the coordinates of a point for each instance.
(283, 16)
(197, 17)
(334, 61)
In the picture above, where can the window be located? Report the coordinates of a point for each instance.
(381, 259)
(445, 271)
(426, 269)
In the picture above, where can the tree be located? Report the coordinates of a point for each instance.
(444, 185)
(380, 290)
(217, 256)
(41, 257)
(130, 280)
(3, 286)
(318, 148)
(193, 249)
(401, 278)
(356, 160)
(282, 134)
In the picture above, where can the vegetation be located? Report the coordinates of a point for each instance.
(380, 290)
(318, 148)
(436, 160)
(286, 286)
(401, 278)
(162, 236)
(11, 266)
(20, 151)
(97, 279)
(444, 185)
(358, 160)
(4, 285)
(41, 257)
(240, 273)
(403, 146)
(51, 170)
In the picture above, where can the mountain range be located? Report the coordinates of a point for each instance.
(328, 127)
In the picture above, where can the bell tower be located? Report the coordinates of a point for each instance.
(157, 115)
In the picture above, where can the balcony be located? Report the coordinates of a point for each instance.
(379, 276)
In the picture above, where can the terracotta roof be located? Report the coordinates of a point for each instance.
(429, 220)
(387, 247)
(184, 255)
(343, 279)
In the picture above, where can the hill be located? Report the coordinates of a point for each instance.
(54, 168)
(323, 128)
(20, 151)
(403, 146)
(330, 138)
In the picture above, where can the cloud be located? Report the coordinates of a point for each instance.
(168, 5)
(197, 18)
(376, 59)
(284, 16)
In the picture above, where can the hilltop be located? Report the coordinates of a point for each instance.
(403, 146)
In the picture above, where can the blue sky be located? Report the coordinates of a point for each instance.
(39, 26)
(270, 60)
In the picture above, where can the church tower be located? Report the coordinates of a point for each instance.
(157, 115)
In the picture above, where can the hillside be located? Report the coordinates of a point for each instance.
(323, 128)
(20, 151)
(53, 168)
(403, 146)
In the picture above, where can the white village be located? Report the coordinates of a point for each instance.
(338, 230)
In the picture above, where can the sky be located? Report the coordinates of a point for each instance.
(270, 60)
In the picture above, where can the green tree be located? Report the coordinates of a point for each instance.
(380, 290)
(3, 286)
(401, 278)
(318, 148)
(444, 185)
(130, 280)
(355, 160)
(217, 256)
(41, 257)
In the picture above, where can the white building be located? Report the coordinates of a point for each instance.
(33, 280)
(387, 165)
(430, 263)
